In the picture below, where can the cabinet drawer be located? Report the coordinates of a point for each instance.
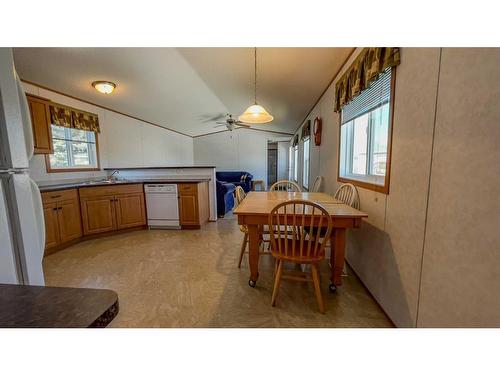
(59, 195)
(110, 190)
(187, 189)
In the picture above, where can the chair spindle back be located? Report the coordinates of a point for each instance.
(285, 185)
(288, 222)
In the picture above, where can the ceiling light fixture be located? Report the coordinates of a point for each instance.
(255, 114)
(104, 87)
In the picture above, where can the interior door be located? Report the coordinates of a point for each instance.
(70, 225)
(130, 210)
(51, 225)
(98, 214)
(272, 166)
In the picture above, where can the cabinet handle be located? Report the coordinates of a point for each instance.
(111, 200)
(56, 196)
(116, 200)
(55, 208)
(59, 208)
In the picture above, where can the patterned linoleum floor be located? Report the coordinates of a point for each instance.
(190, 279)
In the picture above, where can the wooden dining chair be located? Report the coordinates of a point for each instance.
(291, 242)
(285, 185)
(318, 184)
(348, 194)
(240, 194)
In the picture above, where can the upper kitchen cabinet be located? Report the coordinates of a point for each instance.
(40, 120)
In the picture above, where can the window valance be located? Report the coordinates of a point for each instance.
(60, 115)
(295, 140)
(73, 118)
(306, 129)
(364, 70)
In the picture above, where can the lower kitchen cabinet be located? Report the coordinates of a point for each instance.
(193, 204)
(62, 218)
(51, 226)
(130, 210)
(98, 214)
(111, 208)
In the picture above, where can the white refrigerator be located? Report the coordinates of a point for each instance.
(22, 227)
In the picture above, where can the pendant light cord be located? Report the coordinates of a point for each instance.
(255, 75)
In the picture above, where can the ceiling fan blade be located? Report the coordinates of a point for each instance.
(218, 126)
(221, 122)
(242, 124)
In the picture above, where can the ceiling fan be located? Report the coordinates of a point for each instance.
(231, 123)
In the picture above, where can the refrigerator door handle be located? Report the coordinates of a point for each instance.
(26, 119)
(40, 220)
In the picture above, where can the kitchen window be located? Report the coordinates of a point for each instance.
(365, 136)
(305, 169)
(74, 150)
(296, 162)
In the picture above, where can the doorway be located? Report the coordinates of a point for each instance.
(272, 163)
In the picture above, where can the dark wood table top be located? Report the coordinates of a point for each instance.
(53, 307)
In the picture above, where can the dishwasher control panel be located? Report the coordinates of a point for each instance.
(160, 188)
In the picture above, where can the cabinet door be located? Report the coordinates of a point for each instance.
(51, 225)
(130, 210)
(69, 220)
(98, 214)
(188, 210)
(40, 120)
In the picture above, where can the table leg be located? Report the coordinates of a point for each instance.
(337, 242)
(253, 253)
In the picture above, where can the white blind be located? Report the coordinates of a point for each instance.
(377, 94)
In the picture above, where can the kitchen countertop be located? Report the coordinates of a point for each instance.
(84, 184)
(24, 306)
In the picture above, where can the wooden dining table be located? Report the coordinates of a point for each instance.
(254, 211)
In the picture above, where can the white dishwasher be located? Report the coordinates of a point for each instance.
(162, 205)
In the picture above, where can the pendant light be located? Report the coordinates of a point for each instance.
(255, 114)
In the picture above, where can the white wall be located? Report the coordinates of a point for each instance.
(459, 280)
(239, 150)
(123, 142)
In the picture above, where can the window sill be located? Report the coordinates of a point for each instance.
(366, 183)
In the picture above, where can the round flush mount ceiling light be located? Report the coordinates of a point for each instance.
(104, 87)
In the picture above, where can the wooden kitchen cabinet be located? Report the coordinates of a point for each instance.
(130, 211)
(98, 214)
(62, 218)
(193, 204)
(40, 121)
(51, 226)
(108, 208)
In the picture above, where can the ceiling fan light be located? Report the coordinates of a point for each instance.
(104, 87)
(256, 114)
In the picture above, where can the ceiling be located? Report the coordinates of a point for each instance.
(182, 88)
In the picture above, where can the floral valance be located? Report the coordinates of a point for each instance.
(73, 118)
(85, 121)
(60, 115)
(365, 69)
(306, 129)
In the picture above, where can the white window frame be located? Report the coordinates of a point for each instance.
(306, 165)
(94, 157)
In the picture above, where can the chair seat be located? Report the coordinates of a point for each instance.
(300, 256)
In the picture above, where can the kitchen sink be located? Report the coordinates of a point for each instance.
(100, 182)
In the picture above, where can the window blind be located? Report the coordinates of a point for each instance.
(377, 94)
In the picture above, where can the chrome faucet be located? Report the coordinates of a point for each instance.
(111, 178)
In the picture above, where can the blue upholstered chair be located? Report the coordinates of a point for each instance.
(225, 197)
